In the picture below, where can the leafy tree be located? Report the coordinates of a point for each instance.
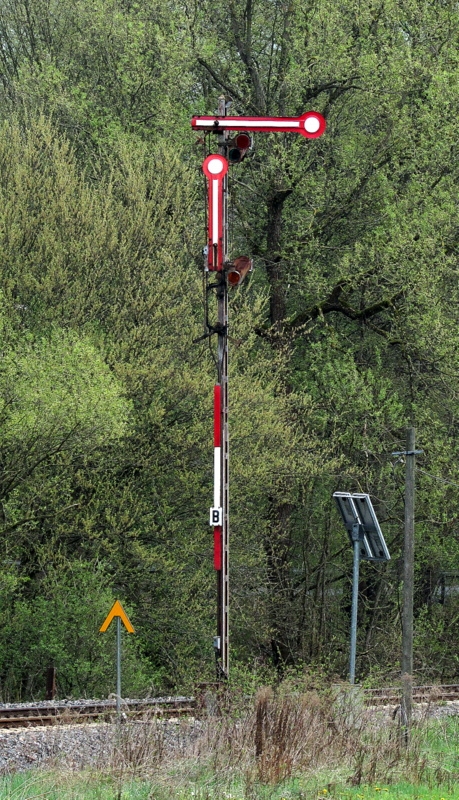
(99, 70)
(345, 332)
(59, 627)
(350, 234)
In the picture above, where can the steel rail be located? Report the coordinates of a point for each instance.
(435, 693)
(78, 712)
(21, 716)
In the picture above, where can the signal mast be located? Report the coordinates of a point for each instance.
(229, 273)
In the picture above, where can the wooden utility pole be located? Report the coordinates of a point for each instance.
(408, 586)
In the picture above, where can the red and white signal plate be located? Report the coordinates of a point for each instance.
(311, 124)
(215, 168)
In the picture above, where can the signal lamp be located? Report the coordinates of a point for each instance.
(237, 147)
(239, 269)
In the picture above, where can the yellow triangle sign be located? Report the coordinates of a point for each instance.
(117, 611)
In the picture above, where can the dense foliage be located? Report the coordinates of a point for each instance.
(345, 334)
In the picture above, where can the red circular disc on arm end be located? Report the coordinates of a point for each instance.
(312, 125)
(215, 167)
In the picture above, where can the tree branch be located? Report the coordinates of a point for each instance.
(335, 304)
(37, 518)
(226, 86)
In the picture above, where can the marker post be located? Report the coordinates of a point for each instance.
(118, 667)
(117, 611)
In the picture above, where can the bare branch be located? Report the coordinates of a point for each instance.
(226, 86)
(334, 304)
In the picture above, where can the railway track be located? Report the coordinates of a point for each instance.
(72, 713)
(28, 715)
(421, 694)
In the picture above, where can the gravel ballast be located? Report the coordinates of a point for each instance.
(98, 745)
(103, 745)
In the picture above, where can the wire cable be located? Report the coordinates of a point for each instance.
(436, 478)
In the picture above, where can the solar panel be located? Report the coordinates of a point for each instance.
(357, 509)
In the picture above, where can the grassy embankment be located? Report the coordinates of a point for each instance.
(284, 746)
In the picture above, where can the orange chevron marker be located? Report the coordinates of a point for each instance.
(117, 611)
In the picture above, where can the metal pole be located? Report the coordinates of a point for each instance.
(118, 667)
(408, 586)
(222, 299)
(355, 600)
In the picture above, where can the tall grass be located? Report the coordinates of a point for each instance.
(284, 734)
(283, 742)
(324, 738)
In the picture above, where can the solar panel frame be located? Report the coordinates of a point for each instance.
(358, 509)
(372, 528)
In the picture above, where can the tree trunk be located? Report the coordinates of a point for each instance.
(274, 265)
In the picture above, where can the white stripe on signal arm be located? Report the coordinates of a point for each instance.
(215, 211)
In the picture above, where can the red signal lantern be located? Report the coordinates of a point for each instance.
(239, 269)
(238, 147)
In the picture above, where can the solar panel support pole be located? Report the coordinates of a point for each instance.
(367, 542)
(357, 536)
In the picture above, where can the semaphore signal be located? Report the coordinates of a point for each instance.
(231, 273)
(311, 125)
(215, 168)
